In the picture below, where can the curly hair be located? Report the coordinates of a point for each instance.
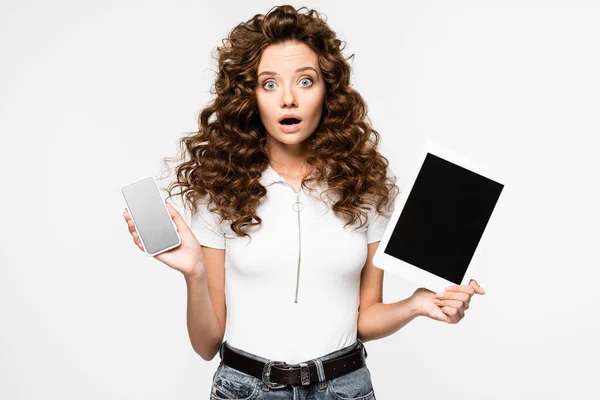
(223, 161)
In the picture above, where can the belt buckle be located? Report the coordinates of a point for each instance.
(267, 374)
(304, 374)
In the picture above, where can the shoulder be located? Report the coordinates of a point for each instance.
(205, 213)
(206, 225)
(393, 191)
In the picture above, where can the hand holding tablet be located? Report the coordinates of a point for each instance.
(439, 219)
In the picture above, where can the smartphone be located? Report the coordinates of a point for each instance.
(150, 216)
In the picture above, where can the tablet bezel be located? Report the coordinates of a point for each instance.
(403, 269)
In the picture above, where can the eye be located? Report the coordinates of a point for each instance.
(267, 83)
(309, 80)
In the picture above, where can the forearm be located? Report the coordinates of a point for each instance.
(383, 319)
(203, 325)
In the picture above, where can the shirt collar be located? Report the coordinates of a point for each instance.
(270, 176)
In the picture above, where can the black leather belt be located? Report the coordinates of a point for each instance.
(278, 374)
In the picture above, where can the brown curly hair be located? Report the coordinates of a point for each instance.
(226, 157)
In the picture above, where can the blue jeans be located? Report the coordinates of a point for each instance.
(229, 383)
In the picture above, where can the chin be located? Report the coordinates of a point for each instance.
(290, 138)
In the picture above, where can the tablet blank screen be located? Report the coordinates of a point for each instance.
(444, 218)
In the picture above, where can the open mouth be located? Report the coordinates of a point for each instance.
(289, 121)
(290, 125)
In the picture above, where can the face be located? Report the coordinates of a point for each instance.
(289, 84)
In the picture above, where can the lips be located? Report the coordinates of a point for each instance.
(290, 119)
(290, 128)
(290, 123)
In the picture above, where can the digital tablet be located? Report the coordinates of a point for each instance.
(439, 219)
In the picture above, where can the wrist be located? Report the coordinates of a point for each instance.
(198, 272)
(416, 305)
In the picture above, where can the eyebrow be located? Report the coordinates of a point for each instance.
(298, 70)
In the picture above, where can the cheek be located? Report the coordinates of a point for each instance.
(263, 110)
(317, 103)
(317, 108)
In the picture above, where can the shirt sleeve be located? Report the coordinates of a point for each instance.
(377, 222)
(377, 226)
(205, 226)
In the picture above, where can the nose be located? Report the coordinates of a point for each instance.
(288, 97)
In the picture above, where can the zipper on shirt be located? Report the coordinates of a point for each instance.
(297, 206)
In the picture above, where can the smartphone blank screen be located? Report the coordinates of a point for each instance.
(150, 215)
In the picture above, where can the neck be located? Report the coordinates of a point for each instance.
(288, 160)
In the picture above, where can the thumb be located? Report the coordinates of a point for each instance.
(478, 289)
(177, 218)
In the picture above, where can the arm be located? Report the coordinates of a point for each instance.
(375, 318)
(206, 311)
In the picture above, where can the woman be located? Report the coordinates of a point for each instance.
(289, 199)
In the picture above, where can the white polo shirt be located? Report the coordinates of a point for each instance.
(274, 310)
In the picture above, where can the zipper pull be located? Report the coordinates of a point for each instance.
(298, 206)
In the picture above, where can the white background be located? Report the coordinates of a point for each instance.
(93, 94)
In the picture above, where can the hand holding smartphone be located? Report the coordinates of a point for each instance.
(159, 230)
